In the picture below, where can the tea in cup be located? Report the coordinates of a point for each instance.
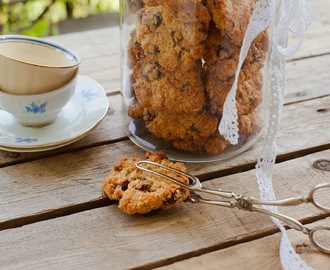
(30, 66)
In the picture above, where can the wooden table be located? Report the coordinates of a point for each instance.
(52, 214)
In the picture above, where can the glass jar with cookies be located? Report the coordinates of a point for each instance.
(180, 61)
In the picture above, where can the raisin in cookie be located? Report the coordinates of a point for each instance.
(141, 192)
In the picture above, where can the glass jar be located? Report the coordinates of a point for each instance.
(179, 60)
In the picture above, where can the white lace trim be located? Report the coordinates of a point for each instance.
(261, 18)
(290, 15)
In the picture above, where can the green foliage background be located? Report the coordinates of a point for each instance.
(40, 17)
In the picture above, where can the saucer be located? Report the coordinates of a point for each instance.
(81, 114)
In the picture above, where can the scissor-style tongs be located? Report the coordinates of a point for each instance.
(319, 236)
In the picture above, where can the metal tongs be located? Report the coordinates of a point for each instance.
(319, 236)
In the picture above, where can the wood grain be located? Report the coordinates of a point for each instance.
(243, 256)
(76, 176)
(317, 39)
(307, 79)
(106, 236)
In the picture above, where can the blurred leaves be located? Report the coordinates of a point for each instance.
(41, 17)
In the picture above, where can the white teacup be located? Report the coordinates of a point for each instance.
(38, 110)
(30, 66)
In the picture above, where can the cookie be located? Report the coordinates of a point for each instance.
(225, 55)
(171, 37)
(175, 4)
(187, 132)
(169, 92)
(231, 17)
(215, 144)
(248, 95)
(135, 111)
(134, 50)
(141, 192)
(221, 64)
(250, 124)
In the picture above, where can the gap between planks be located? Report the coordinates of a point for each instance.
(56, 213)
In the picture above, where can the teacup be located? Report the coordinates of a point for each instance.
(38, 110)
(30, 66)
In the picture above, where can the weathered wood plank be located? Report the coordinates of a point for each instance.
(307, 79)
(70, 179)
(258, 254)
(105, 237)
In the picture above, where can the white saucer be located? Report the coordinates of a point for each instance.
(84, 111)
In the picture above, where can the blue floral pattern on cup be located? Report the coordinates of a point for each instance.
(88, 94)
(26, 140)
(34, 108)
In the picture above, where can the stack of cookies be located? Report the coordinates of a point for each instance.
(183, 56)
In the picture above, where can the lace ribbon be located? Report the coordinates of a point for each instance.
(261, 18)
(289, 15)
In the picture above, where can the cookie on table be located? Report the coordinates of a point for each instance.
(187, 132)
(141, 192)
